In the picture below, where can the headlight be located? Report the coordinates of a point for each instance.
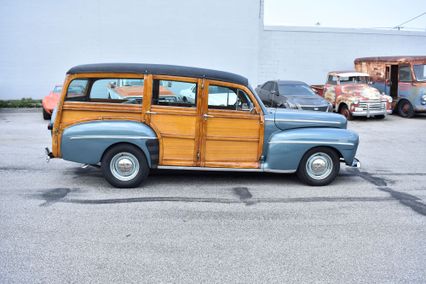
(424, 97)
(356, 102)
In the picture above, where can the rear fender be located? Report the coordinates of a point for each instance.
(86, 142)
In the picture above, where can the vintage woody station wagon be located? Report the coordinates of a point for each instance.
(130, 118)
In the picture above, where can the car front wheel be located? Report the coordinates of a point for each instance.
(345, 112)
(405, 109)
(319, 166)
(124, 166)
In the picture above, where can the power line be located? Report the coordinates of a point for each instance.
(398, 27)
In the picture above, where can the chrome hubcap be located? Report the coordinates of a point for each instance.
(124, 166)
(319, 166)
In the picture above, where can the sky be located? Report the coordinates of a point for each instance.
(346, 14)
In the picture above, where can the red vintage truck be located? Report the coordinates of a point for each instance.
(351, 95)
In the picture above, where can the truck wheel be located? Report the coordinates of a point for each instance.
(345, 112)
(319, 166)
(405, 109)
(124, 166)
(46, 115)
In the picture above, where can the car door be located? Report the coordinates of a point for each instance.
(232, 127)
(175, 119)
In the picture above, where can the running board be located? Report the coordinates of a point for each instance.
(224, 169)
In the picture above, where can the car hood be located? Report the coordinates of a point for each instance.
(286, 119)
(362, 91)
(306, 100)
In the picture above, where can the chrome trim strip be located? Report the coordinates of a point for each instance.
(307, 120)
(109, 137)
(311, 142)
(279, 171)
(302, 120)
(223, 169)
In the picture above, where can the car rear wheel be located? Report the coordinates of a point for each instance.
(405, 109)
(319, 166)
(345, 112)
(46, 115)
(124, 166)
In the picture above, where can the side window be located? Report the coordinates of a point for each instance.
(77, 90)
(267, 86)
(111, 90)
(228, 98)
(405, 74)
(174, 93)
(332, 80)
(274, 87)
(117, 90)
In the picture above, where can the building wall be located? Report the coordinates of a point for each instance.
(307, 54)
(41, 40)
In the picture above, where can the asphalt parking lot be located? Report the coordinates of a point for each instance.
(60, 223)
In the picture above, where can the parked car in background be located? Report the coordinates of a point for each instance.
(351, 95)
(50, 101)
(401, 77)
(291, 94)
(226, 128)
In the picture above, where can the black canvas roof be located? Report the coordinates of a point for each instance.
(159, 69)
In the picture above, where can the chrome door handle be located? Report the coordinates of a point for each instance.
(151, 112)
(205, 116)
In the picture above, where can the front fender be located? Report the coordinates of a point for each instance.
(348, 100)
(286, 148)
(86, 142)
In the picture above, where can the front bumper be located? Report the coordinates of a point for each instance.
(369, 109)
(369, 113)
(356, 163)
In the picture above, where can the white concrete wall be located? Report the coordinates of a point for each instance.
(41, 40)
(307, 54)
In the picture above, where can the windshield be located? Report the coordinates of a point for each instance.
(354, 80)
(295, 90)
(420, 71)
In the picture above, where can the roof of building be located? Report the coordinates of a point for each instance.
(391, 58)
(159, 69)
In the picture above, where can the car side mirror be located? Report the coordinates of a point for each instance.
(274, 93)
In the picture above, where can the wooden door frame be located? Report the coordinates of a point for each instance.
(149, 110)
(203, 109)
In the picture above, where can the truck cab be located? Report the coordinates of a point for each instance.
(351, 95)
(401, 77)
